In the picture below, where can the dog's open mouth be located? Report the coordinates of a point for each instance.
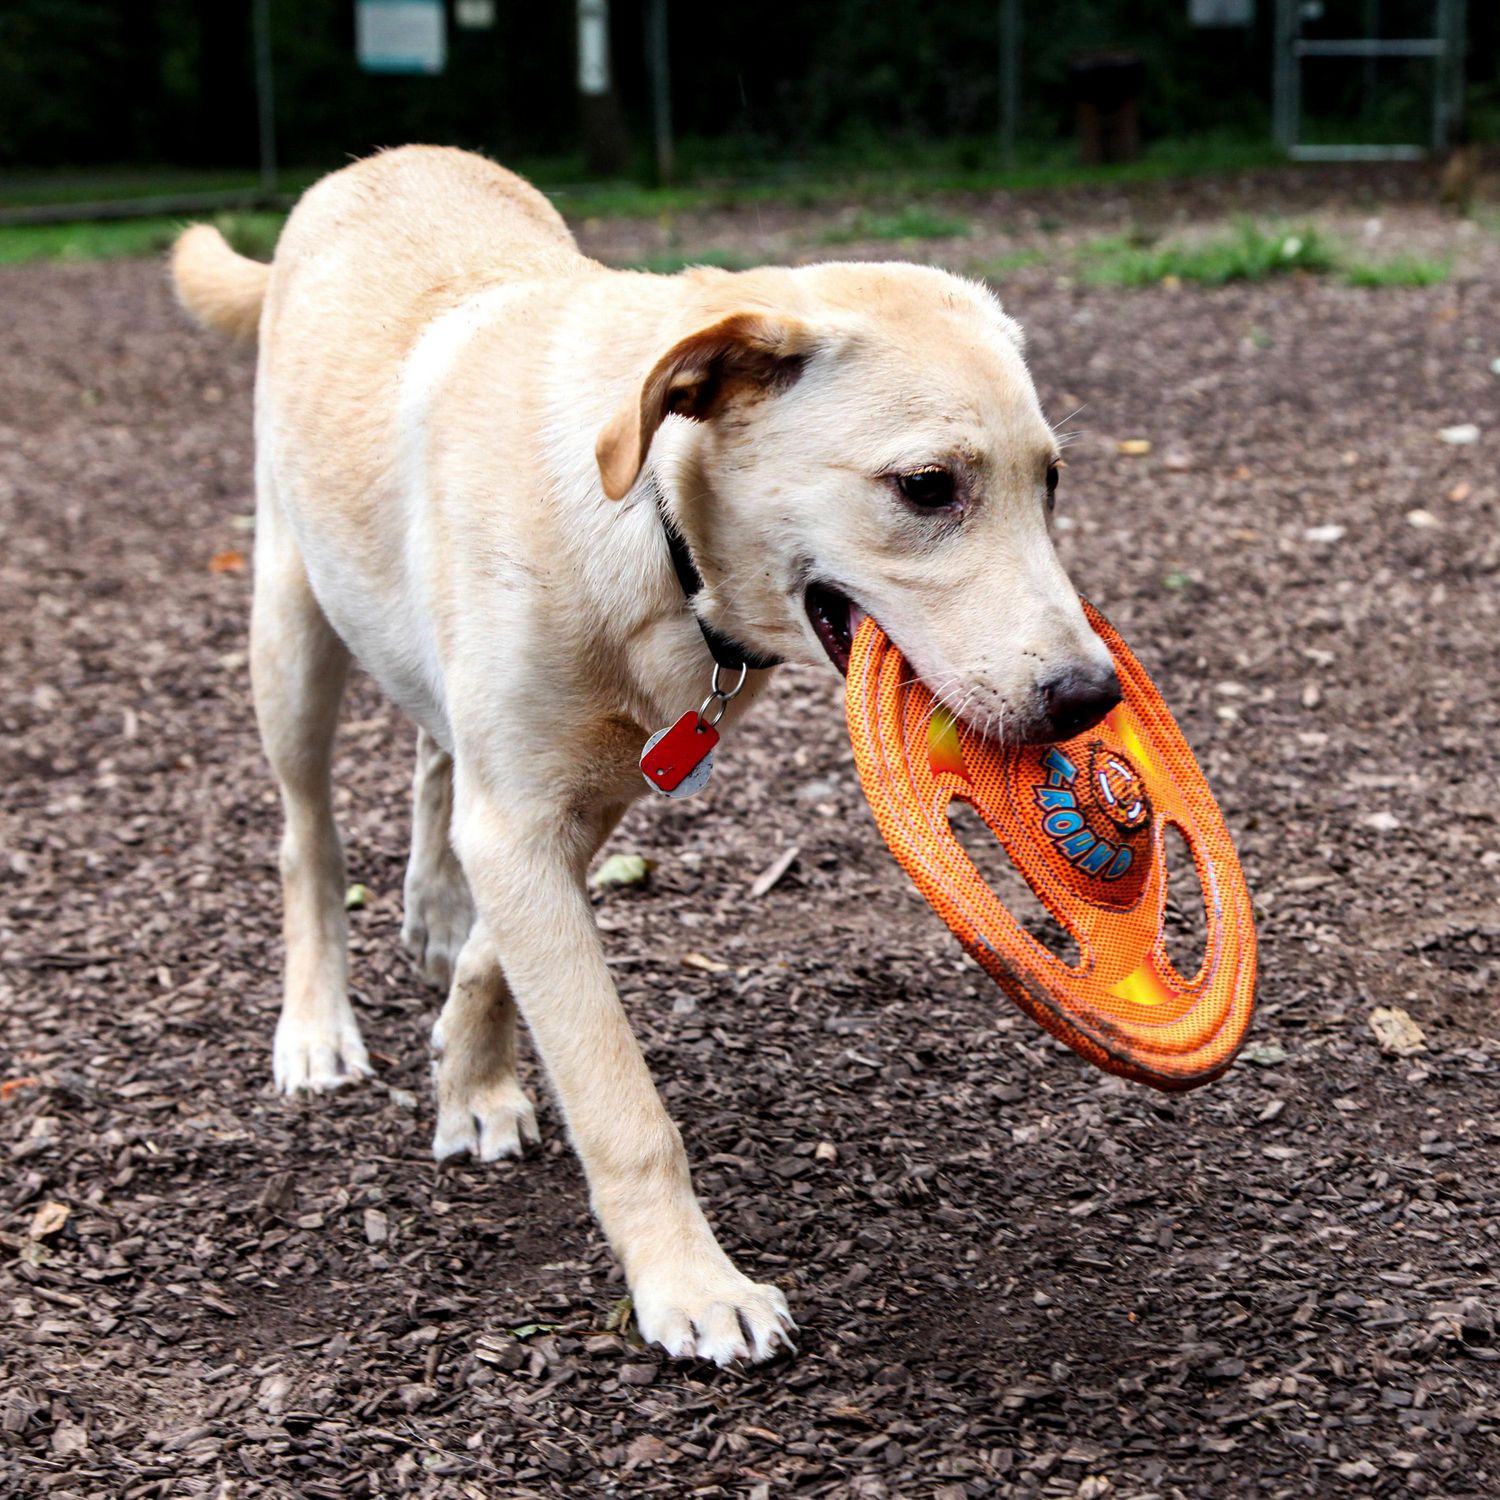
(835, 617)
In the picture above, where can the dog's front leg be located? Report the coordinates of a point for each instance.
(526, 866)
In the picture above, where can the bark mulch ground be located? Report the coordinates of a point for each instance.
(1015, 1277)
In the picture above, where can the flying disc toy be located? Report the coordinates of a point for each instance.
(1084, 822)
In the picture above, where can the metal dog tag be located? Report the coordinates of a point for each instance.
(678, 760)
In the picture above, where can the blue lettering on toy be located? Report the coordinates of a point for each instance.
(1064, 824)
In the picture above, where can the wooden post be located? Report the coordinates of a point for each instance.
(265, 96)
(605, 148)
(658, 66)
(1010, 78)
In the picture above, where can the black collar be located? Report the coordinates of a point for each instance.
(728, 653)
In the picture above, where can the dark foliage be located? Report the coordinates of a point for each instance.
(170, 80)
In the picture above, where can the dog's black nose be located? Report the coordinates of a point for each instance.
(1076, 699)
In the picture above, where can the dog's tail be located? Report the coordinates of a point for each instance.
(219, 288)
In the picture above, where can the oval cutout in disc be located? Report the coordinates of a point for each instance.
(1084, 822)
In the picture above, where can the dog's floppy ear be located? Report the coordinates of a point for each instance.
(694, 378)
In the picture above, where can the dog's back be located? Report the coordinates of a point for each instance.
(370, 261)
(386, 242)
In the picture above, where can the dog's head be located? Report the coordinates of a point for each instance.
(865, 439)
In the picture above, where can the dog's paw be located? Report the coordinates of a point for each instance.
(317, 1055)
(490, 1122)
(718, 1315)
(437, 919)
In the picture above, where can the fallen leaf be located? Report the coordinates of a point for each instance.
(1395, 1031)
(1264, 1054)
(648, 1449)
(356, 897)
(228, 561)
(1461, 435)
(48, 1219)
(1326, 535)
(1135, 447)
(620, 1316)
(69, 1438)
(621, 870)
(704, 962)
(773, 872)
(525, 1331)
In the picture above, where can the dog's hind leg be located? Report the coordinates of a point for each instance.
(298, 667)
(439, 912)
(482, 1108)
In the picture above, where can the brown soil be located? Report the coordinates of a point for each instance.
(1018, 1277)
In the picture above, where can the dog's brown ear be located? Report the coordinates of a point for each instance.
(694, 378)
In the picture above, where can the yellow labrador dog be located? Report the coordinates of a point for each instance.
(539, 501)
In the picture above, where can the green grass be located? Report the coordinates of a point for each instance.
(121, 184)
(670, 262)
(914, 222)
(717, 176)
(999, 266)
(1400, 270)
(1249, 254)
(874, 175)
(723, 174)
(251, 234)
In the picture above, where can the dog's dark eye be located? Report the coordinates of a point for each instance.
(1051, 486)
(930, 488)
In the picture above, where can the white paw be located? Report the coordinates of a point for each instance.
(718, 1315)
(490, 1123)
(436, 922)
(317, 1055)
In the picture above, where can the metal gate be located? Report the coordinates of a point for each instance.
(1445, 47)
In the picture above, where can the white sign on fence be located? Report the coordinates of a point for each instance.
(400, 36)
(593, 46)
(1221, 12)
(477, 15)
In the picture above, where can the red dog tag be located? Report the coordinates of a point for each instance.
(675, 761)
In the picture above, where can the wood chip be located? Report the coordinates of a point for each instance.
(773, 872)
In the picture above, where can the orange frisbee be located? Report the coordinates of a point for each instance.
(1084, 822)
